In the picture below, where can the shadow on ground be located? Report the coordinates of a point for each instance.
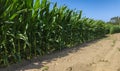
(38, 62)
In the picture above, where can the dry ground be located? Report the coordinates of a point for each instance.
(100, 55)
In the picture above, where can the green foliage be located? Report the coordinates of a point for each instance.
(30, 28)
(111, 29)
(115, 29)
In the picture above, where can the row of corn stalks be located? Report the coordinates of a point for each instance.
(30, 28)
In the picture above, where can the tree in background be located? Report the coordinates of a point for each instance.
(115, 20)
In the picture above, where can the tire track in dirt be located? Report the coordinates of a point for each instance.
(98, 55)
(110, 62)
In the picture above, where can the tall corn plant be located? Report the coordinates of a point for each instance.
(14, 25)
(31, 28)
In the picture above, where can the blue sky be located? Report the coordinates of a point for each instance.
(97, 9)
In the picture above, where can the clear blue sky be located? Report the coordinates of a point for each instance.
(97, 9)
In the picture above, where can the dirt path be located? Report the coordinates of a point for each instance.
(102, 55)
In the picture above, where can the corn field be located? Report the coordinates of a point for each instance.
(30, 28)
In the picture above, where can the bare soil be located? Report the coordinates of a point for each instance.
(98, 55)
